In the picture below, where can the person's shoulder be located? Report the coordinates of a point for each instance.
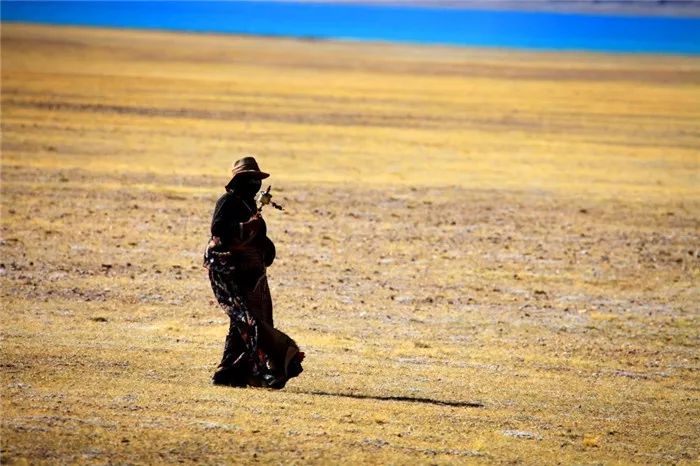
(228, 197)
(229, 202)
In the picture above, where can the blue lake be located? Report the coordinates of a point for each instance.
(533, 30)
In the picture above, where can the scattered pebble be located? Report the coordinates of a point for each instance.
(522, 434)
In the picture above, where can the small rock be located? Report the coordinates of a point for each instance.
(631, 375)
(375, 442)
(522, 434)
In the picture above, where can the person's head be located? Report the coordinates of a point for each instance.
(247, 177)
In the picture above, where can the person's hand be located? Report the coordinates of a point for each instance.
(214, 242)
(253, 226)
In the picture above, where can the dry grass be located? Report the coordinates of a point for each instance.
(487, 256)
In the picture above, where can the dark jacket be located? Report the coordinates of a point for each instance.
(230, 211)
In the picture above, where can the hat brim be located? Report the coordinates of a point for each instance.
(253, 173)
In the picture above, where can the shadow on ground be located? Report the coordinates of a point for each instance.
(409, 399)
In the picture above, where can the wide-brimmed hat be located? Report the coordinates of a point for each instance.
(247, 166)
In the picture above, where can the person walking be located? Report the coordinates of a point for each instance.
(237, 256)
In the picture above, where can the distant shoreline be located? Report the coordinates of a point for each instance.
(381, 22)
(376, 42)
(677, 8)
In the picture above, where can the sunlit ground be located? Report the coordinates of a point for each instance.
(487, 256)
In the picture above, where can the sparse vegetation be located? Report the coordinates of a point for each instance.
(486, 256)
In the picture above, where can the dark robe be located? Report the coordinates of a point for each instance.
(255, 352)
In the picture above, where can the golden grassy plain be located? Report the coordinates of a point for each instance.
(488, 256)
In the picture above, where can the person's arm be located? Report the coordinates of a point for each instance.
(232, 223)
(251, 227)
(224, 224)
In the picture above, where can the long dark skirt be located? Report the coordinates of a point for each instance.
(255, 353)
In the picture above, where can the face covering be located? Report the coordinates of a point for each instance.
(248, 187)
